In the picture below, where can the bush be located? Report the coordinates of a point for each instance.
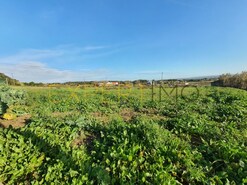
(9, 97)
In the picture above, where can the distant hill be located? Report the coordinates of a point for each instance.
(6, 79)
(203, 77)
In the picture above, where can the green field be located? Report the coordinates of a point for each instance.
(86, 135)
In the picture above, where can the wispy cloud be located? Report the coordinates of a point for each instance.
(40, 72)
(31, 54)
(33, 64)
(59, 51)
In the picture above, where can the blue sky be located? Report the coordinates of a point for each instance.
(62, 40)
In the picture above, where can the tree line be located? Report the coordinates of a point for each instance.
(238, 80)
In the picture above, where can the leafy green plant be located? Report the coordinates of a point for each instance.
(9, 97)
(203, 141)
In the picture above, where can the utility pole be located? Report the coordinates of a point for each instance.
(161, 78)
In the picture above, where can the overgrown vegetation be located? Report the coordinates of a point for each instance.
(192, 141)
(237, 80)
(7, 80)
(10, 97)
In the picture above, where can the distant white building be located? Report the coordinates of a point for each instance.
(112, 83)
(108, 84)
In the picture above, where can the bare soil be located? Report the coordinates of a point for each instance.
(18, 122)
(128, 114)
